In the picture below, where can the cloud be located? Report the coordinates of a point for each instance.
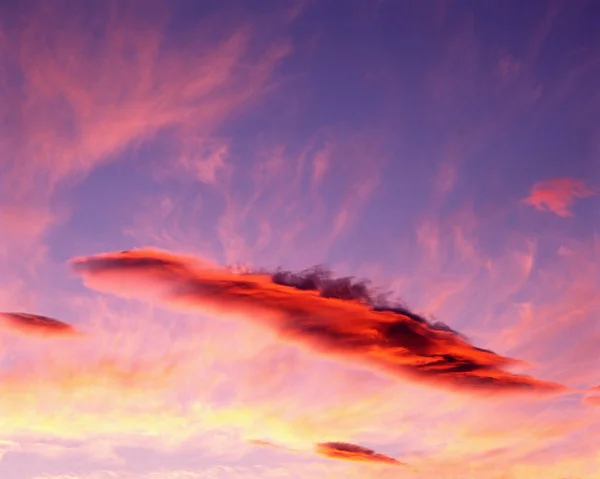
(593, 400)
(174, 381)
(295, 469)
(263, 443)
(290, 190)
(557, 195)
(81, 87)
(331, 321)
(353, 452)
(36, 325)
(178, 381)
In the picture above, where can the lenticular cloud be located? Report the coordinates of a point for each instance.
(353, 452)
(35, 325)
(337, 318)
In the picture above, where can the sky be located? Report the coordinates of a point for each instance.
(298, 239)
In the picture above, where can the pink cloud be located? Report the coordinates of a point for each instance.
(558, 195)
(90, 90)
(593, 396)
(277, 195)
(592, 400)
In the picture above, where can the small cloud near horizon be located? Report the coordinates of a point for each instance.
(36, 325)
(353, 452)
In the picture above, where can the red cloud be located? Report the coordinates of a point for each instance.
(557, 195)
(33, 324)
(391, 340)
(353, 452)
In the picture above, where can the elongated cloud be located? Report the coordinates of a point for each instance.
(36, 325)
(391, 340)
(558, 195)
(353, 452)
(345, 451)
(592, 397)
(593, 400)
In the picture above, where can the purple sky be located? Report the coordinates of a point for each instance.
(448, 151)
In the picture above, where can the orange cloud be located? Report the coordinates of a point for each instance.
(330, 322)
(353, 452)
(558, 195)
(33, 324)
(161, 379)
(593, 400)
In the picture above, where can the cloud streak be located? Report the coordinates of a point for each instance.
(353, 452)
(592, 398)
(558, 195)
(388, 339)
(36, 325)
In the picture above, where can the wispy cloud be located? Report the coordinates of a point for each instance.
(108, 80)
(390, 339)
(558, 195)
(167, 384)
(593, 396)
(225, 131)
(283, 471)
(321, 185)
(592, 400)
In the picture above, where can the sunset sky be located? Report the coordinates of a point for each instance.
(169, 170)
